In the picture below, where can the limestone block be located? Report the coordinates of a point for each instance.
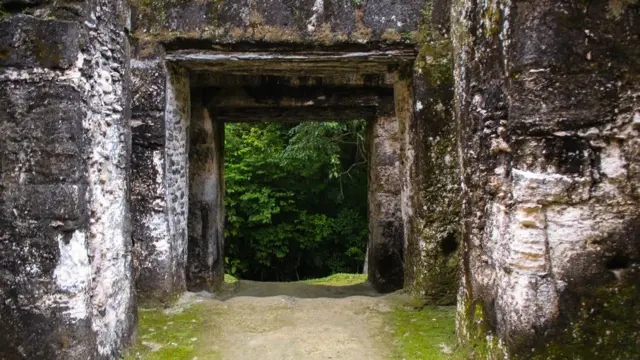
(27, 41)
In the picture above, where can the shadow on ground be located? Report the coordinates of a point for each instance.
(301, 290)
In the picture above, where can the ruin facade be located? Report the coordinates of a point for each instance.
(504, 158)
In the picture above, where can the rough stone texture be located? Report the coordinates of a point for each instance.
(159, 192)
(227, 47)
(178, 115)
(148, 194)
(548, 109)
(278, 21)
(66, 289)
(386, 231)
(431, 191)
(548, 115)
(206, 198)
(28, 42)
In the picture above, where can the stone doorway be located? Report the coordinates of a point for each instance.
(205, 90)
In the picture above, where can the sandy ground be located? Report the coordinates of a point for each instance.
(263, 321)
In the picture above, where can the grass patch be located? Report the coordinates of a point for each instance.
(339, 280)
(168, 335)
(230, 279)
(426, 333)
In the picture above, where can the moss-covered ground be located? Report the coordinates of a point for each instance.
(425, 333)
(339, 280)
(175, 333)
(407, 329)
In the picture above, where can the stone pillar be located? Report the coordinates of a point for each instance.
(206, 199)
(548, 109)
(66, 285)
(431, 181)
(159, 183)
(386, 235)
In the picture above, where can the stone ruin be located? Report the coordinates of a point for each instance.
(504, 158)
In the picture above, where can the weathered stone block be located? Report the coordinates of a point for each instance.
(23, 3)
(26, 41)
(549, 223)
(403, 16)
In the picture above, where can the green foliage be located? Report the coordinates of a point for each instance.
(3, 12)
(296, 199)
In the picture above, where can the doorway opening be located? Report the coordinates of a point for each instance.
(295, 199)
(298, 102)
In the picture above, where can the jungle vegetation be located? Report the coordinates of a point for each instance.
(296, 199)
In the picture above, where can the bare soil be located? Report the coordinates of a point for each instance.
(257, 320)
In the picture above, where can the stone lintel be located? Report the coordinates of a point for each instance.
(302, 63)
(305, 97)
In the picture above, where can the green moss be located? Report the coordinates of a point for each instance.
(435, 59)
(432, 269)
(426, 332)
(618, 7)
(46, 53)
(4, 13)
(5, 51)
(492, 17)
(607, 326)
(153, 13)
(339, 280)
(167, 335)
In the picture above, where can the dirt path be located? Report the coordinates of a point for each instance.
(297, 321)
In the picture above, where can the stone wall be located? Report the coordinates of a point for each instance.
(206, 198)
(66, 289)
(171, 31)
(160, 118)
(325, 22)
(385, 254)
(547, 99)
(431, 180)
(547, 115)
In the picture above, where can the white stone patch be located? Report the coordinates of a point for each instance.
(534, 187)
(318, 10)
(527, 245)
(526, 300)
(156, 224)
(571, 230)
(136, 123)
(72, 275)
(497, 244)
(636, 119)
(158, 164)
(419, 106)
(612, 162)
(143, 64)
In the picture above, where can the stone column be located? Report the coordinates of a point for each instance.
(548, 109)
(206, 199)
(386, 235)
(159, 184)
(66, 285)
(431, 182)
